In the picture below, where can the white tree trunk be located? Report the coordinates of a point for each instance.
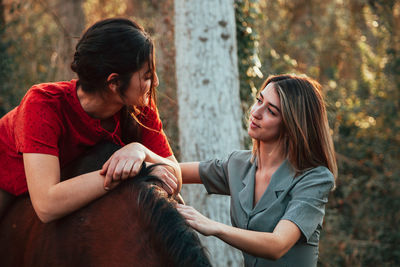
(209, 104)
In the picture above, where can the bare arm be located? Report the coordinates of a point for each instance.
(53, 199)
(267, 245)
(190, 173)
(127, 162)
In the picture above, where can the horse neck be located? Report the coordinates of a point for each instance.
(175, 242)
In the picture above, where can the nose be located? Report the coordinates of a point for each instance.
(256, 112)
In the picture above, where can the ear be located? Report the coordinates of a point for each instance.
(113, 82)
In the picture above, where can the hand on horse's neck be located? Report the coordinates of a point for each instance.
(98, 106)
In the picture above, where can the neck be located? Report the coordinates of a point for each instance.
(98, 106)
(270, 155)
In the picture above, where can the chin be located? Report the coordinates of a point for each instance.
(251, 134)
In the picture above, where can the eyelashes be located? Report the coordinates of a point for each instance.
(260, 101)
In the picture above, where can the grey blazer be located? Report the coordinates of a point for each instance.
(299, 199)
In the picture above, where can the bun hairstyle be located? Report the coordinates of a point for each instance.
(121, 46)
(113, 45)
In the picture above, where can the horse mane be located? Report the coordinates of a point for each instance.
(136, 223)
(170, 233)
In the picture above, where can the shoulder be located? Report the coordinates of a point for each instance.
(236, 159)
(239, 160)
(49, 91)
(318, 176)
(320, 172)
(240, 155)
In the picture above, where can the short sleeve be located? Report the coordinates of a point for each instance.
(308, 198)
(214, 176)
(37, 125)
(153, 137)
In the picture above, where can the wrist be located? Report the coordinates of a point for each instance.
(138, 147)
(218, 229)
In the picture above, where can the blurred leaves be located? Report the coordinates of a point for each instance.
(351, 47)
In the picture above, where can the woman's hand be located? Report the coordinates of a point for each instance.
(170, 182)
(198, 221)
(124, 163)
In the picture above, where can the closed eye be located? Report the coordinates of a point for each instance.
(270, 111)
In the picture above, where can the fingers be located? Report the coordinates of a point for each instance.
(198, 221)
(126, 170)
(123, 163)
(179, 199)
(183, 210)
(135, 168)
(188, 212)
(170, 182)
(110, 172)
(103, 170)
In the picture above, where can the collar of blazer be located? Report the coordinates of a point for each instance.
(281, 180)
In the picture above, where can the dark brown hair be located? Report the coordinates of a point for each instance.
(115, 45)
(121, 46)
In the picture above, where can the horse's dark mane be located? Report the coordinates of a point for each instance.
(134, 224)
(169, 231)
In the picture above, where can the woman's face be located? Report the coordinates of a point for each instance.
(138, 91)
(265, 116)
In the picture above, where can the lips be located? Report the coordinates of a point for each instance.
(253, 124)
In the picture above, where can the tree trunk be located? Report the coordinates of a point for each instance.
(209, 105)
(70, 19)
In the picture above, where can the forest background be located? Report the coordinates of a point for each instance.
(351, 46)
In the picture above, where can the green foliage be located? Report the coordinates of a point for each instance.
(247, 13)
(352, 48)
(29, 41)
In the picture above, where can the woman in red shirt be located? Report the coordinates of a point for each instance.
(113, 100)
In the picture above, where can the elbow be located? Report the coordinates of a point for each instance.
(273, 255)
(44, 213)
(277, 252)
(44, 218)
(277, 255)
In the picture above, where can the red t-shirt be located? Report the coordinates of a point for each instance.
(51, 120)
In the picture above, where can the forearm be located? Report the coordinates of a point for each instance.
(262, 244)
(68, 196)
(190, 172)
(259, 244)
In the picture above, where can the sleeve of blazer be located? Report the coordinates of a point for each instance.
(214, 176)
(308, 198)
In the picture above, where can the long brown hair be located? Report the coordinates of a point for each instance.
(305, 129)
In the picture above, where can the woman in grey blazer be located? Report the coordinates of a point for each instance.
(280, 188)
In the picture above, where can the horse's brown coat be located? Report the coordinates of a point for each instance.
(133, 225)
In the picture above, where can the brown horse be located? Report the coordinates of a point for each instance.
(133, 225)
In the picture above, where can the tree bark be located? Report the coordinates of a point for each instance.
(209, 104)
(70, 18)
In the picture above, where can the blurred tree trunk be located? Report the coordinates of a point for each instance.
(209, 105)
(70, 19)
(3, 55)
(2, 19)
